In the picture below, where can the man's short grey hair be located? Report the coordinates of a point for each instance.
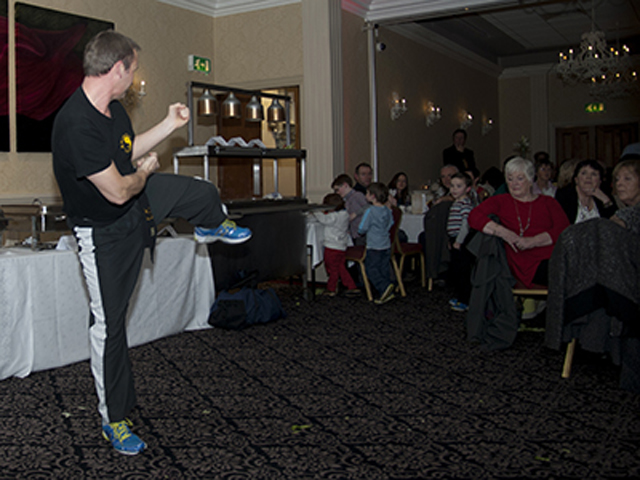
(105, 50)
(520, 165)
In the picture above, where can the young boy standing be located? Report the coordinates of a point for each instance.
(375, 225)
(458, 229)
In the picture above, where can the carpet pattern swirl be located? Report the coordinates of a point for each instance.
(340, 389)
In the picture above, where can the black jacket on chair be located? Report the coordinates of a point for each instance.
(492, 319)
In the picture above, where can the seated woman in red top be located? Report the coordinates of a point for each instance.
(529, 224)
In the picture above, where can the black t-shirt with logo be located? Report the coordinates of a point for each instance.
(84, 142)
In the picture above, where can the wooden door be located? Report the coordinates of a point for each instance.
(611, 140)
(599, 142)
(575, 142)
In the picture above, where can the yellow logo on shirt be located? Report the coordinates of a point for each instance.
(125, 143)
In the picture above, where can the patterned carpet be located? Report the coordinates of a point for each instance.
(340, 389)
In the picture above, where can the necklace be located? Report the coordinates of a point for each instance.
(522, 230)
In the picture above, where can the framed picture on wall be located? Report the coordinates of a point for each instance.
(4, 76)
(49, 49)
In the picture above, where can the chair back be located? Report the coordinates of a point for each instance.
(393, 231)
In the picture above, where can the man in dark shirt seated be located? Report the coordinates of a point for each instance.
(363, 176)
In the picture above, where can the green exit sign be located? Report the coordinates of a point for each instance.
(199, 64)
(594, 107)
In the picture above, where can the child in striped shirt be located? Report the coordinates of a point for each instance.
(457, 230)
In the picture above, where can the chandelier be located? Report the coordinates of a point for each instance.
(609, 71)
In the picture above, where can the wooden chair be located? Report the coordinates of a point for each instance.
(520, 290)
(540, 290)
(568, 358)
(404, 250)
(358, 253)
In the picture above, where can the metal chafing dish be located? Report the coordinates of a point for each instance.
(36, 219)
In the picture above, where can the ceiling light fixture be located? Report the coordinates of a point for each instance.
(608, 71)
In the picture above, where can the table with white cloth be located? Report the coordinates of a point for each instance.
(412, 225)
(315, 241)
(44, 304)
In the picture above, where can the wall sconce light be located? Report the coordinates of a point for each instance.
(142, 91)
(487, 125)
(398, 106)
(433, 114)
(467, 121)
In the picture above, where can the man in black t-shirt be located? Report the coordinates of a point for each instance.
(114, 202)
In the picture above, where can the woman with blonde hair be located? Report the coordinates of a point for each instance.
(565, 172)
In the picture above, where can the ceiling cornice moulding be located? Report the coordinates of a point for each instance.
(222, 8)
(390, 10)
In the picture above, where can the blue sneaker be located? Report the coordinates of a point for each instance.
(453, 301)
(227, 232)
(120, 436)
(460, 307)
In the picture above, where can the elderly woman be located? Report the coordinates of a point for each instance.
(583, 199)
(529, 223)
(626, 177)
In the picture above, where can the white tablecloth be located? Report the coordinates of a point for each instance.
(412, 225)
(315, 239)
(44, 306)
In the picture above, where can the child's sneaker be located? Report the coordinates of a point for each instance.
(354, 292)
(329, 293)
(381, 300)
(227, 232)
(120, 436)
(460, 307)
(453, 301)
(387, 295)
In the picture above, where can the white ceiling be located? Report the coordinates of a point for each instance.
(505, 32)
